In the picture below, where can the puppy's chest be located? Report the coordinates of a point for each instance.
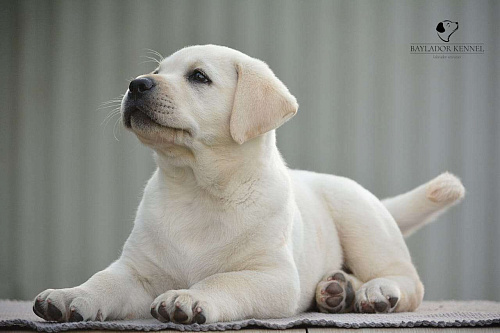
(191, 240)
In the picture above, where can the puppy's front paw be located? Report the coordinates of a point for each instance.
(335, 293)
(183, 307)
(377, 296)
(62, 305)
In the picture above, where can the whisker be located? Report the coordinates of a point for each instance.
(147, 61)
(156, 53)
(114, 105)
(107, 104)
(114, 127)
(114, 99)
(150, 59)
(117, 98)
(109, 120)
(109, 116)
(112, 102)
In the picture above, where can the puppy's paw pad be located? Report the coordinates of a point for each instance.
(380, 306)
(75, 315)
(160, 312)
(335, 294)
(65, 305)
(52, 311)
(180, 306)
(38, 308)
(393, 300)
(199, 317)
(179, 315)
(377, 296)
(365, 307)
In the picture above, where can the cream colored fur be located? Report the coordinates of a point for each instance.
(226, 230)
(261, 102)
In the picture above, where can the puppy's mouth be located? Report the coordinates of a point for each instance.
(136, 119)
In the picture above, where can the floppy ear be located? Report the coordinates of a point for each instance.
(440, 27)
(261, 102)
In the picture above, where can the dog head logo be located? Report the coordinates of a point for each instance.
(445, 29)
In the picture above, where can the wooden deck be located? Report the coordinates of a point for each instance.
(491, 329)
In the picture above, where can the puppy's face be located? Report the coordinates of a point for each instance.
(204, 96)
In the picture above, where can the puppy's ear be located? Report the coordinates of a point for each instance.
(261, 102)
(440, 27)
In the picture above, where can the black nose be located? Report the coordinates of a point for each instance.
(139, 86)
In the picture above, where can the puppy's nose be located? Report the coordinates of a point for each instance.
(139, 86)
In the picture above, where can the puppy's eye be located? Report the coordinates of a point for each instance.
(199, 77)
(156, 71)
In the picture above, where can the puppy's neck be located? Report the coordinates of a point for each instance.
(228, 174)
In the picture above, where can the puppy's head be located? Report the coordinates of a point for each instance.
(445, 29)
(204, 96)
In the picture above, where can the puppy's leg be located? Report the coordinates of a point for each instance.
(114, 293)
(335, 292)
(422, 205)
(231, 296)
(374, 250)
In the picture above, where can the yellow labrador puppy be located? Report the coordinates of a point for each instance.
(225, 231)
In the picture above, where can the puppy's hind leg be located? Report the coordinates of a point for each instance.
(374, 250)
(335, 293)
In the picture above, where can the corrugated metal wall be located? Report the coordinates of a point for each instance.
(369, 110)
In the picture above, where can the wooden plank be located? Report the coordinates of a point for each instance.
(294, 330)
(491, 329)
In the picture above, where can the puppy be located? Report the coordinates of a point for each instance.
(445, 29)
(225, 231)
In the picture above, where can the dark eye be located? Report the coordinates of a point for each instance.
(199, 77)
(156, 71)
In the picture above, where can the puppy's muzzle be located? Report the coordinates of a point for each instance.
(147, 107)
(139, 91)
(139, 87)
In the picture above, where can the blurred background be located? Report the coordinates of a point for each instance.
(70, 181)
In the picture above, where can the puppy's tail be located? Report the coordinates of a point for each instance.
(422, 205)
